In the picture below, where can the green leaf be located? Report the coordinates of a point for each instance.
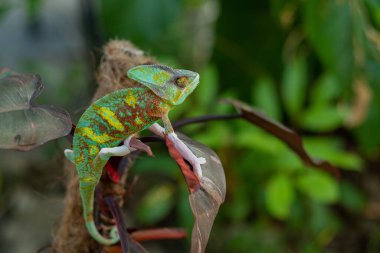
(329, 28)
(33, 8)
(322, 118)
(184, 212)
(240, 205)
(368, 133)
(287, 160)
(294, 86)
(332, 150)
(206, 91)
(318, 186)
(211, 137)
(279, 196)
(325, 90)
(323, 223)
(156, 204)
(4, 8)
(351, 197)
(257, 139)
(129, 18)
(374, 10)
(265, 97)
(166, 165)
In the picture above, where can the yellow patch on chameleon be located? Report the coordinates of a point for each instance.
(111, 118)
(138, 121)
(89, 133)
(93, 150)
(131, 100)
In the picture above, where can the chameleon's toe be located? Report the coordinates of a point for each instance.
(196, 164)
(201, 160)
(139, 145)
(127, 143)
(69, 155)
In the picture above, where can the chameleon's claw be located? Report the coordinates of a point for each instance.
(139, 145)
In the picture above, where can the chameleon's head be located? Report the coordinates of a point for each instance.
(173, 85)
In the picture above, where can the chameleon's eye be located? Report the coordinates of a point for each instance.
(182, 81)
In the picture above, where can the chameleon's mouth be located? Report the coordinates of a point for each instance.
(195, 81)
(182, 93)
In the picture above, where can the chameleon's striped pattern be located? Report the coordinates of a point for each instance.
(105, 124)
(116, 116)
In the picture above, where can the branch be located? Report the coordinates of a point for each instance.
(205, 118)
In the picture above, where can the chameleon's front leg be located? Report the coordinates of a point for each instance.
(105, 153)
(179, 145)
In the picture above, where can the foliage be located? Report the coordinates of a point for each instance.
(24, 124)
(313, 65)
(298, 62)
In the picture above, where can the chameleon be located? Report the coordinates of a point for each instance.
(116, 117)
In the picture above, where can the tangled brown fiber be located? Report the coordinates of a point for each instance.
(118, 57)
(71, 235)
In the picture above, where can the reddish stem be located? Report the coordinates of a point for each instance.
(158, 234)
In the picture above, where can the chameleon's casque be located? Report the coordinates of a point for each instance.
(115, 117)
(167, 83)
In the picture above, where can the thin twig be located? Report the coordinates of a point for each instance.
(205, 118)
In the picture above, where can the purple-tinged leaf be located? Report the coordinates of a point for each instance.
(206, 199)
(23, 125)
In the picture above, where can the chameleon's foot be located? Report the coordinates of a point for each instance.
(139, 145)
(106, 153)
(182, 149)
(187, 154)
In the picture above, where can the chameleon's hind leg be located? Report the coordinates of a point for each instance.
(105, 153)
(180, 146)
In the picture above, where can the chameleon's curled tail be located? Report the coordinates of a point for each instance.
(87, 191)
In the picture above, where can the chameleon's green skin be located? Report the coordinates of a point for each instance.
(114, 117)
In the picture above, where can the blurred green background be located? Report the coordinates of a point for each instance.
(313, 65)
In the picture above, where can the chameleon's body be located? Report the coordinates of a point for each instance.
(109, 121)
(105, 124)
(115, 117)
